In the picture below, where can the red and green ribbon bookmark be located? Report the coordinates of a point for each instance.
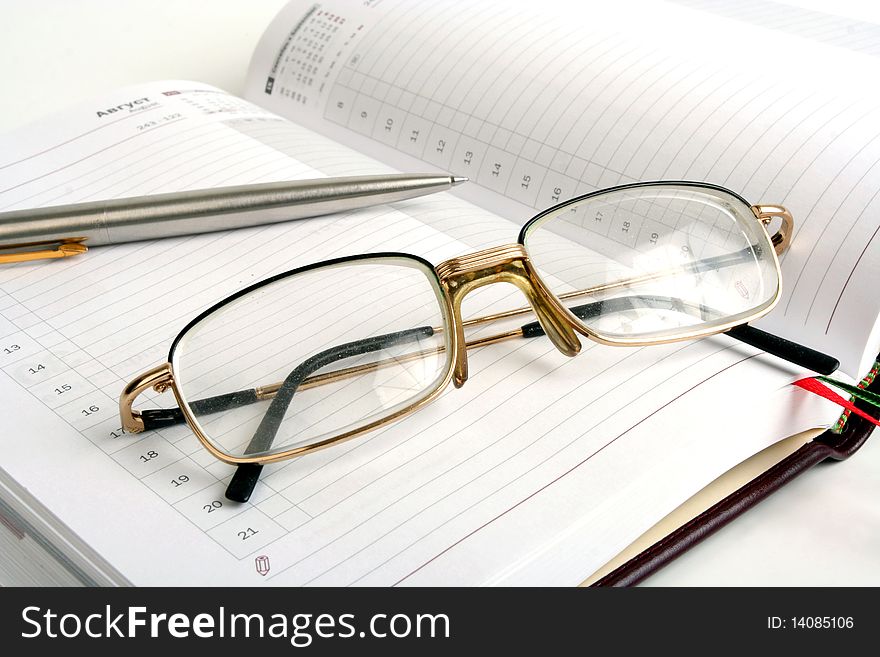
(815, 385)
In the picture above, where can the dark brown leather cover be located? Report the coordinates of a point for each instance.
(827, 446)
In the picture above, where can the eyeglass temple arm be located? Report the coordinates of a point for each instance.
(245, 478)
(786, 349)
(241, 486)
(772, 344)
(165, 417)
(159, 418)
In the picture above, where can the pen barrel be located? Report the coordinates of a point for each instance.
(185, 213)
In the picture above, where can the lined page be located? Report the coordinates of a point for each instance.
(538, 103)
(604, 444)
(847, 32)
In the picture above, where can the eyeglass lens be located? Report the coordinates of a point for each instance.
(314, 355)
(651, 262)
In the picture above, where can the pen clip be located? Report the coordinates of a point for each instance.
(28, 251)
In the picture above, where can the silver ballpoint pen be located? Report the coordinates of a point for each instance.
(67, 230)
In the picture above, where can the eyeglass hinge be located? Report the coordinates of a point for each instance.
(159, 379)
(781, 239)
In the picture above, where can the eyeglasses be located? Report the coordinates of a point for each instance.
(320, 354)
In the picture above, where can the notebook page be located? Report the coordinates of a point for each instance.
(540, 102)
(858, 31)
(387, 508)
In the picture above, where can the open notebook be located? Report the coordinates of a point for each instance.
(542, 468)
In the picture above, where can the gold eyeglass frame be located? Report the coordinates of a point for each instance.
(453, 280)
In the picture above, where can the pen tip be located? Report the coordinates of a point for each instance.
(457, 180)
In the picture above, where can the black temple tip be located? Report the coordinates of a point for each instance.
(160, 418)
(785, 349)
(241, 487)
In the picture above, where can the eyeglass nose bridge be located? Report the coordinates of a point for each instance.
(502, 264)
